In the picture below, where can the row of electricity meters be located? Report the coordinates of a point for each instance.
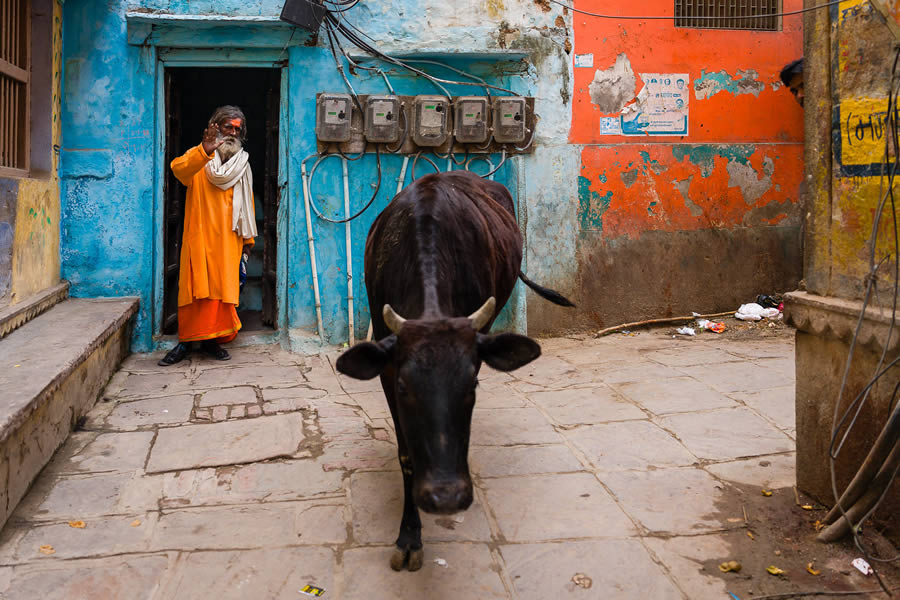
(387, 119)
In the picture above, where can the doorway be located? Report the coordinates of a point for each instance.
(192, 94)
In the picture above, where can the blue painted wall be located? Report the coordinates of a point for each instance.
(112, 146)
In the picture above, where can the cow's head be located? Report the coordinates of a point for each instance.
(432, 367)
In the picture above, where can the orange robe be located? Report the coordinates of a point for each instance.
(209, 280)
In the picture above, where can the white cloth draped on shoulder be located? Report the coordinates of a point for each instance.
(236, 174)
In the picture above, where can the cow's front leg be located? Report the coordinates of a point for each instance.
(408, 552)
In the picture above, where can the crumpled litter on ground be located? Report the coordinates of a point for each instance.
(686, 331)
(755, 312)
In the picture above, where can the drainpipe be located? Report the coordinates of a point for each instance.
(312, 248)
(349, 251)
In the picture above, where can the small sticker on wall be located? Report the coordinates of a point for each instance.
(610, 126)
(584, 60)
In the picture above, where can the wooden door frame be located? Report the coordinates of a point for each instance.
(167, 58)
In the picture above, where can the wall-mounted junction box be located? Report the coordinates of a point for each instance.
(382, 119)
(333, 115)
(470, 123)
(431, 125)
(509, 120)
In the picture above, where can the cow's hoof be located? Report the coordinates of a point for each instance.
(406, 558)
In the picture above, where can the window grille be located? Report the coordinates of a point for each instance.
(15, 69)
(728, 14)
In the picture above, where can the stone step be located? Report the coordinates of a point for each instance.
(13, 317)
(52, 370)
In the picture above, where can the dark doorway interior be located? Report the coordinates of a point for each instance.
(192, 94)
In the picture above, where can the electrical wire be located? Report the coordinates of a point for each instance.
(366, 47)
(312, 201)
(702, 18)
(416, 160)
(405, 132)
(891, 127)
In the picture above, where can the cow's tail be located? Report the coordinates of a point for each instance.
(546, 293)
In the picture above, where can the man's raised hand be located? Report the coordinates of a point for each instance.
(212, 139)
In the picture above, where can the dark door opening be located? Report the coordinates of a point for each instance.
(192, 94)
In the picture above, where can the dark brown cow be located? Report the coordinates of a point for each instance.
(445, 254)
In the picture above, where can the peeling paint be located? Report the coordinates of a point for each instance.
(752, 184)
(614, 87)
(704, 155)
(629, 177)
(743, 82)
(684, 187)
(591, 205)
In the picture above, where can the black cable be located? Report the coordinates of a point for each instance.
(416, 160)
(312, 201)
(405, 131)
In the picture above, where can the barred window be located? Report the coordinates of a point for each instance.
(728, 14)
(15, 72)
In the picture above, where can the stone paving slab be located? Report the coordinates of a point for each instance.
(256, 482)
(264, 574)
(505, 426)
(471, 572)
(603, 459)
(674, 395)
(553, 507)
(377, 504)
(587, 405)
(225, 443)
(131, 416)
(667, 501)
(133, 577)
(252, 526)
(489, 461)
(587, 569)
(727, 433)
(613, 447)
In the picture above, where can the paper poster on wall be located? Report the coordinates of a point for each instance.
(662, 106)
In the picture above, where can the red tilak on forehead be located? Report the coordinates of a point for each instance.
(235, 123)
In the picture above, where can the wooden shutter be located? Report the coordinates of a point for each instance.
(15, 73)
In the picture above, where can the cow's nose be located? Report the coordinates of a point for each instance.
(446, 497)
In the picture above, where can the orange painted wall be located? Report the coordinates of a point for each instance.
(741, 162)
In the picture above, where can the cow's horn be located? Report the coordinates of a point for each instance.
(391, 319)
(481, 316)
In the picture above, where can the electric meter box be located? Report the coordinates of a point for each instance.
(333, 114)
(431, 127)
(382, 119)
(509, 120)
(471, 120)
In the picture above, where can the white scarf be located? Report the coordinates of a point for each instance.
(226, 176)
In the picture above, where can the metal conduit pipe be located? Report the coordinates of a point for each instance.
(312, 248)
(349, 251)
(874, 461)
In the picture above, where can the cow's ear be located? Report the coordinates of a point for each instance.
(507, 351)
(367, 359)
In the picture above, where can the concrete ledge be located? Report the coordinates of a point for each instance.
(51, 372)
(13, 317)
(837, 318)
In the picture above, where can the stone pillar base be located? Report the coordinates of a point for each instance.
(825, 329)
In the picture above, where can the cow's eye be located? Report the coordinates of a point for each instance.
(401, 387)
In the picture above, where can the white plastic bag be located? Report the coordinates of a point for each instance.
(755, 312)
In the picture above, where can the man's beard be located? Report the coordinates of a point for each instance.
(229, 148)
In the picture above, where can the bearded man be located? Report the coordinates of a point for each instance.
(219, 227)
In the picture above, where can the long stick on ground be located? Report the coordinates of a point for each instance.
(609, 330)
